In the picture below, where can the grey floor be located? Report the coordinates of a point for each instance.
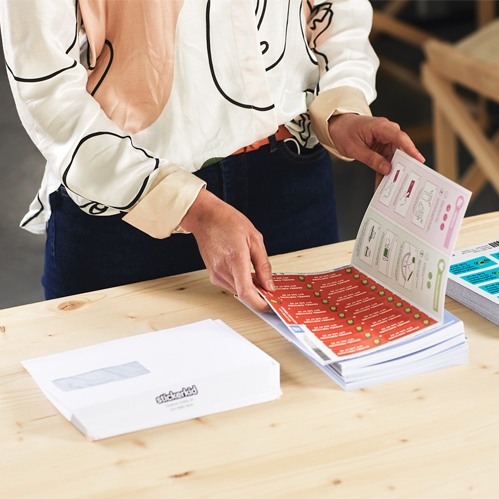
(21, 165)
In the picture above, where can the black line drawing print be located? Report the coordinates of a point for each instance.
(40, 78)
(262, 14)
(36, 214)
(320, 20)
(76, 29)
(96, 134)
(55, 73)
(213, 74)
(263, 43)
(89, 66)
(279, 59)
(108, 67)
(266, 43)
(94, 208)
(304, 130)
(304, 35)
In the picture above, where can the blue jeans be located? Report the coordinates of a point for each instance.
(287, 196)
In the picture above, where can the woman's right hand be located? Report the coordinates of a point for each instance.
(229, 244)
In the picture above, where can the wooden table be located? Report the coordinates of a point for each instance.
(429, 436)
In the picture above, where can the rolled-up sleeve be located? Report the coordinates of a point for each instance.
(339, 37)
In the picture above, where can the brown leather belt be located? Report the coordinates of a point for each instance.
(281, 134)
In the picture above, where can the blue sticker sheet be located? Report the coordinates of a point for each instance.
(492, 288)
(472, 265)
(495, 255)
(480, 277)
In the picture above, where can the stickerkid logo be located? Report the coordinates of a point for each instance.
(171, 396)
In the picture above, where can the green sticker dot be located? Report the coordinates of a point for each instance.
(426, 322)
(350, 322)
(367, 335)
(333, 309)
(381, 293)
(390, 298)
(364, 281)
(373, 287)
(356, 276)
(398, 304)
(301, 278)
(376, 341)
(417, 316)
(325, 302)
(359, 329)
(316, 293)
(348, 271)
(341, 315)
(408, 310)
(428, 284)
(430, 275)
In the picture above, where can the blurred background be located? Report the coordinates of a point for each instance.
(401, 98)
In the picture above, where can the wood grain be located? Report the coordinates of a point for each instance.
(434, 435)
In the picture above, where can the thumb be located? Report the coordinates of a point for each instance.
(263, 268)
(373, 160)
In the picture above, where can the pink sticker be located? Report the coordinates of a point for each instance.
(450, 233)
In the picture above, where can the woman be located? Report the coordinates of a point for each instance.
(159, 118)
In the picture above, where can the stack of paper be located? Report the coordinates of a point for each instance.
(382, 317)
(156, 378)
(437, 348)
(474, 279)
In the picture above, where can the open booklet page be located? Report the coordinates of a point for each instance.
(408, 233)
(395, 285)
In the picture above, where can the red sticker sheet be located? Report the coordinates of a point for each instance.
(346, 311)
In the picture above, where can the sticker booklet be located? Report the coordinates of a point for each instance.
(474, 279)
(395, 284)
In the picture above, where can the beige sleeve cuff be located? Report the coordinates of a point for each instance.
(171, 195)
(340, 100)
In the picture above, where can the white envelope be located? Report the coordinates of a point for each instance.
(156, 378)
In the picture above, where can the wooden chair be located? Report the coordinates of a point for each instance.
(473, 64)
(386, 22)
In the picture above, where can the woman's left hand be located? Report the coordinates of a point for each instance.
(370, 140)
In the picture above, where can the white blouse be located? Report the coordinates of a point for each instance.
(127, 98)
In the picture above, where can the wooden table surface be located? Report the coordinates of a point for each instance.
(430, 436)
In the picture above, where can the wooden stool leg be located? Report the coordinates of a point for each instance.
(485, 11)
(464, 125)
(445, 145)
(474, 179)
(482, 114)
